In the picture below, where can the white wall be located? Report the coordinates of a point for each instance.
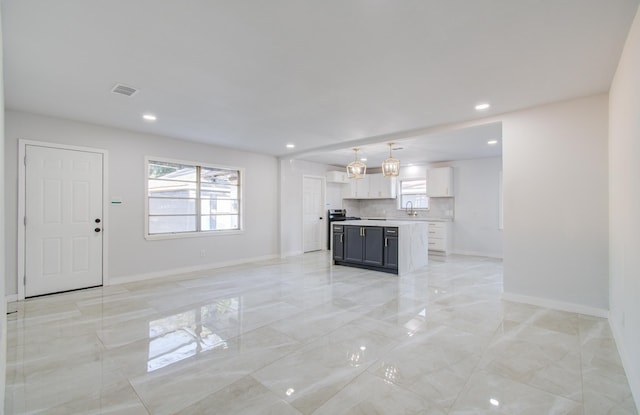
(555, 205)
(624, 207)
(3, 313)
(130, 255)
(476, 189)
(291, 173)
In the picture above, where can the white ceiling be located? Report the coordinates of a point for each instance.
(460, 144)
(255, 75)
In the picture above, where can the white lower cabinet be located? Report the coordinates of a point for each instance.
(440, 238)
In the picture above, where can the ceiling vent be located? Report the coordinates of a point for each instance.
(124, 90)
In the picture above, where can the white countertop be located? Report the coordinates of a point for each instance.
(382, 223)
(410, 219)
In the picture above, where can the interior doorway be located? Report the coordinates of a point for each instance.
(313, 214)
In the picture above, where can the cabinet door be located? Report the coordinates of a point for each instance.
(373, 249)
(353, 246)
(391, 252)
(362, 187)
(357, 189)
(338, 246)
(440, 182)
(388, 187)
(375, 186)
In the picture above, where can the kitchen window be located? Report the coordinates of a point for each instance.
(185, 198)
(414, 191)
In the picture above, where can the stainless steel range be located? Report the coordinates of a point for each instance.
(336, 215)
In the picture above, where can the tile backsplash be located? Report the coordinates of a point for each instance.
(388, 208)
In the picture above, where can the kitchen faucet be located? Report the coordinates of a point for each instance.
(411, 212)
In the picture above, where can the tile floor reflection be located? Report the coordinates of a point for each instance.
(299, 336)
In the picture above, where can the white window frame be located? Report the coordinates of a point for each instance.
(193, 234)
(406, 179)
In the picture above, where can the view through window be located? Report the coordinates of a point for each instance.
(184, 197)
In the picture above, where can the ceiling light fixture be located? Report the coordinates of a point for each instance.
(391, 166)
(483, 106)
(291, 145)
(356, 169)
(149, 117)
(492, 142)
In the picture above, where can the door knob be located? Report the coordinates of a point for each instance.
(97, 220)
(97, 229)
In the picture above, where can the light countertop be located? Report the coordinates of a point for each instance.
(383, 223)
(409, 219)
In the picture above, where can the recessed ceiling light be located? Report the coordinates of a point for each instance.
(483, 106)
(363, 159)
(291, 145)
(492, 142)
(149, 117)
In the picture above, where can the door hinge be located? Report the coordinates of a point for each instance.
(24, 279)
(25, 221)
(25, 160)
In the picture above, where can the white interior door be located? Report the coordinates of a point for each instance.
(313, 214)
(63, 232)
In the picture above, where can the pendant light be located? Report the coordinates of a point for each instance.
(356, 169)
(391, 166)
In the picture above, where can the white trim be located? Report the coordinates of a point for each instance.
(500, 202)
(187, 270)
(22, 152)
(291, 253)
(196, 234)
(10, 298)
(477, 253)
(627, 364)
(556, 305)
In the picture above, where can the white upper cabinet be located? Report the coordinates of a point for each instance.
(440, 182)
(337, 177)
(372, 186)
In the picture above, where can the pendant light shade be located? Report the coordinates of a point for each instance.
(356, 169)
(391, 166)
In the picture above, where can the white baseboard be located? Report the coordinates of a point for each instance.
(627, 364)
(477, 253)
(10, 298)
(186, 270)
(556, 305)
(291, 253)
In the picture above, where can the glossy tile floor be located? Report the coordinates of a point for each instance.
(298, 336)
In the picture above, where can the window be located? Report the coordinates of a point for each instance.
(184, 198)
(414, 191)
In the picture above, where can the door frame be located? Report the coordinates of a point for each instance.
(22, 190)
(323, 199)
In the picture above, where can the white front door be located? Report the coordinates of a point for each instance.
(313, 213)
(63, 232)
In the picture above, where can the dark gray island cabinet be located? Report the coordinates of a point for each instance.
(363, 245)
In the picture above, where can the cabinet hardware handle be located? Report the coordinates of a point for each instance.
(386, 240)
(341, 238)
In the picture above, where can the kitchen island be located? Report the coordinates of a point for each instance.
(395, 246)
